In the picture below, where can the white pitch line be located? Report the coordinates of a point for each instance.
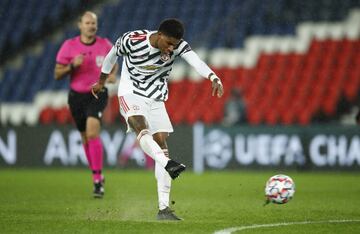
(254, 226)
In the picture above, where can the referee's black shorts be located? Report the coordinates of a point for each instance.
(84, 105)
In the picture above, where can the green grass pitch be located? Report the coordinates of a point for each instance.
(59, 201)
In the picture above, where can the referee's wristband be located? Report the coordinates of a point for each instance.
(72, 67)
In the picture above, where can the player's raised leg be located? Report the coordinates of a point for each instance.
(139, 124)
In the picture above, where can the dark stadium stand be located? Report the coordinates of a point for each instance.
(282, 88)
(24, 22)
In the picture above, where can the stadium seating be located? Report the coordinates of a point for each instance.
(32, 19)
(290, 67)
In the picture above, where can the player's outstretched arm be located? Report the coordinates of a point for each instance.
(203, 69)
(106, 69)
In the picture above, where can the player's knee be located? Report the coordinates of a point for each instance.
(143, 133)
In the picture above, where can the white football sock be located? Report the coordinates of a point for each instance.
(151, 148)
(163, 184)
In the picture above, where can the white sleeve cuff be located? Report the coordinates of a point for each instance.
(213, 76)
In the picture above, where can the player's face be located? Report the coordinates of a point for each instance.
(88, 25)
(167, 44)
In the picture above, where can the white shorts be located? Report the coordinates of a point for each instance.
(154, 112)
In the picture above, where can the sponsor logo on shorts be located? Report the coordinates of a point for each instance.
(135, 107)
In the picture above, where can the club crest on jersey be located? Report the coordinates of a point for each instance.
(164, 57)
(99, 60)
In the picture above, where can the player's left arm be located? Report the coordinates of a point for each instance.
(203, 69)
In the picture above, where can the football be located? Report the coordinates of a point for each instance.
(279, 189)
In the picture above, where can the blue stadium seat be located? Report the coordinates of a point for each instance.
(210, 23)
(9, 85)
(32, 19)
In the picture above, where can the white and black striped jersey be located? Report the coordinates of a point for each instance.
(146, 68)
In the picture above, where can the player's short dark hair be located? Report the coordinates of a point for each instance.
(172, 28)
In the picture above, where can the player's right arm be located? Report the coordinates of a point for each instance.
(106, 69)
(203, 69)
(110, 60)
